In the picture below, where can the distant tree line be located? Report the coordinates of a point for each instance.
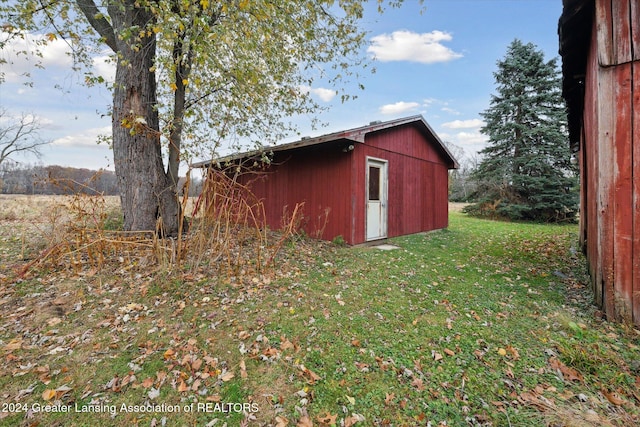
(462, 188)
(17, 178)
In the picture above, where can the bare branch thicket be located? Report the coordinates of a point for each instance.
(20, 135)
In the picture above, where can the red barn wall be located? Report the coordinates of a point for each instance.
(327, 179)
(418, 180)
(319, 177)
(610, 159)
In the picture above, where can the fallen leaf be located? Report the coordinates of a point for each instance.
(313, 377)
(502, 351)
(270, 352)
(127, 380)
(286, 344)
(362, 367)
(389, 398)
(514, 353)
(153, 393)
(54, 321)
(182, 386)
(243, 370)
(113, 384)
(327, 419)
(14, 344)
(227, 376)
(62, 390)
(509, 373)
(304, 421)
(449, 352)
(500, 406)
(148, 382)
(196, 364)
(48, 394)
(611, 397)
(353, 419)
(539, 402)
(568, 373)
(436, 356)
(281, 422)
(418, 384)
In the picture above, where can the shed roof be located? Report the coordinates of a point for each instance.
(574, 31)
(353, 135)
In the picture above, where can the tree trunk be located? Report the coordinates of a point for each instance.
(148, 197)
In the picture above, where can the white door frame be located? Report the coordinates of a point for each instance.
(376, 203)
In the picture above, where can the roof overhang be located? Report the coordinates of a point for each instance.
(356, 135)
(574, 32)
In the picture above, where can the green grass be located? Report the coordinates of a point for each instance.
(483, 323)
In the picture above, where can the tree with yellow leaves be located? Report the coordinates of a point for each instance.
(193, 71)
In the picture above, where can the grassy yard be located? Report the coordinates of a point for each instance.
(484, 323)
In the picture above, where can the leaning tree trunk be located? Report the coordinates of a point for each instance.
(148, 195)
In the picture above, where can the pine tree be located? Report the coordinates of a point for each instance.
(526, 171)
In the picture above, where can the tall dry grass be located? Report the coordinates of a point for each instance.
(222, 231)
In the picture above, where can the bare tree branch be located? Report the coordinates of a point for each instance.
(19, 135)
(99, 23)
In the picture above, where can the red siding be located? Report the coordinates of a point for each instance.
(319, 178)
(418, 181)
(325, 177)
(610, 158)
(419, 178)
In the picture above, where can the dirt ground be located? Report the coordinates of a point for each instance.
(456, 207)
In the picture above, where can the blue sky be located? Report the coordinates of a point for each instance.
(438, 63)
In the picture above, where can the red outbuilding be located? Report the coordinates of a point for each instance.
(600, 48)
(382, 180)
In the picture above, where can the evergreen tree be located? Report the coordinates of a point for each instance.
(526, 171)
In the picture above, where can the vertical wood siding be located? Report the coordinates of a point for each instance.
(418, 180)
(324, 177)
(318, 179)
(611, 158)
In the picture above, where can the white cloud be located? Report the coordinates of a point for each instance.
(406, 45)
(399, 107)
(105, 66)
(324, 94)
(84, 138)
(38, 123)
(470, 138)
(20, 54)
(443, 105)
(464, 139)
(466, 134)
(428, 102)
(450, 111)
(464, 124)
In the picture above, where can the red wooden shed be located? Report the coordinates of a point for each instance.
(600, 48)
(377, 181)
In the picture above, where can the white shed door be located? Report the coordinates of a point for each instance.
(376, 226)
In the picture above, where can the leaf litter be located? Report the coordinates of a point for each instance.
(178, 337)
